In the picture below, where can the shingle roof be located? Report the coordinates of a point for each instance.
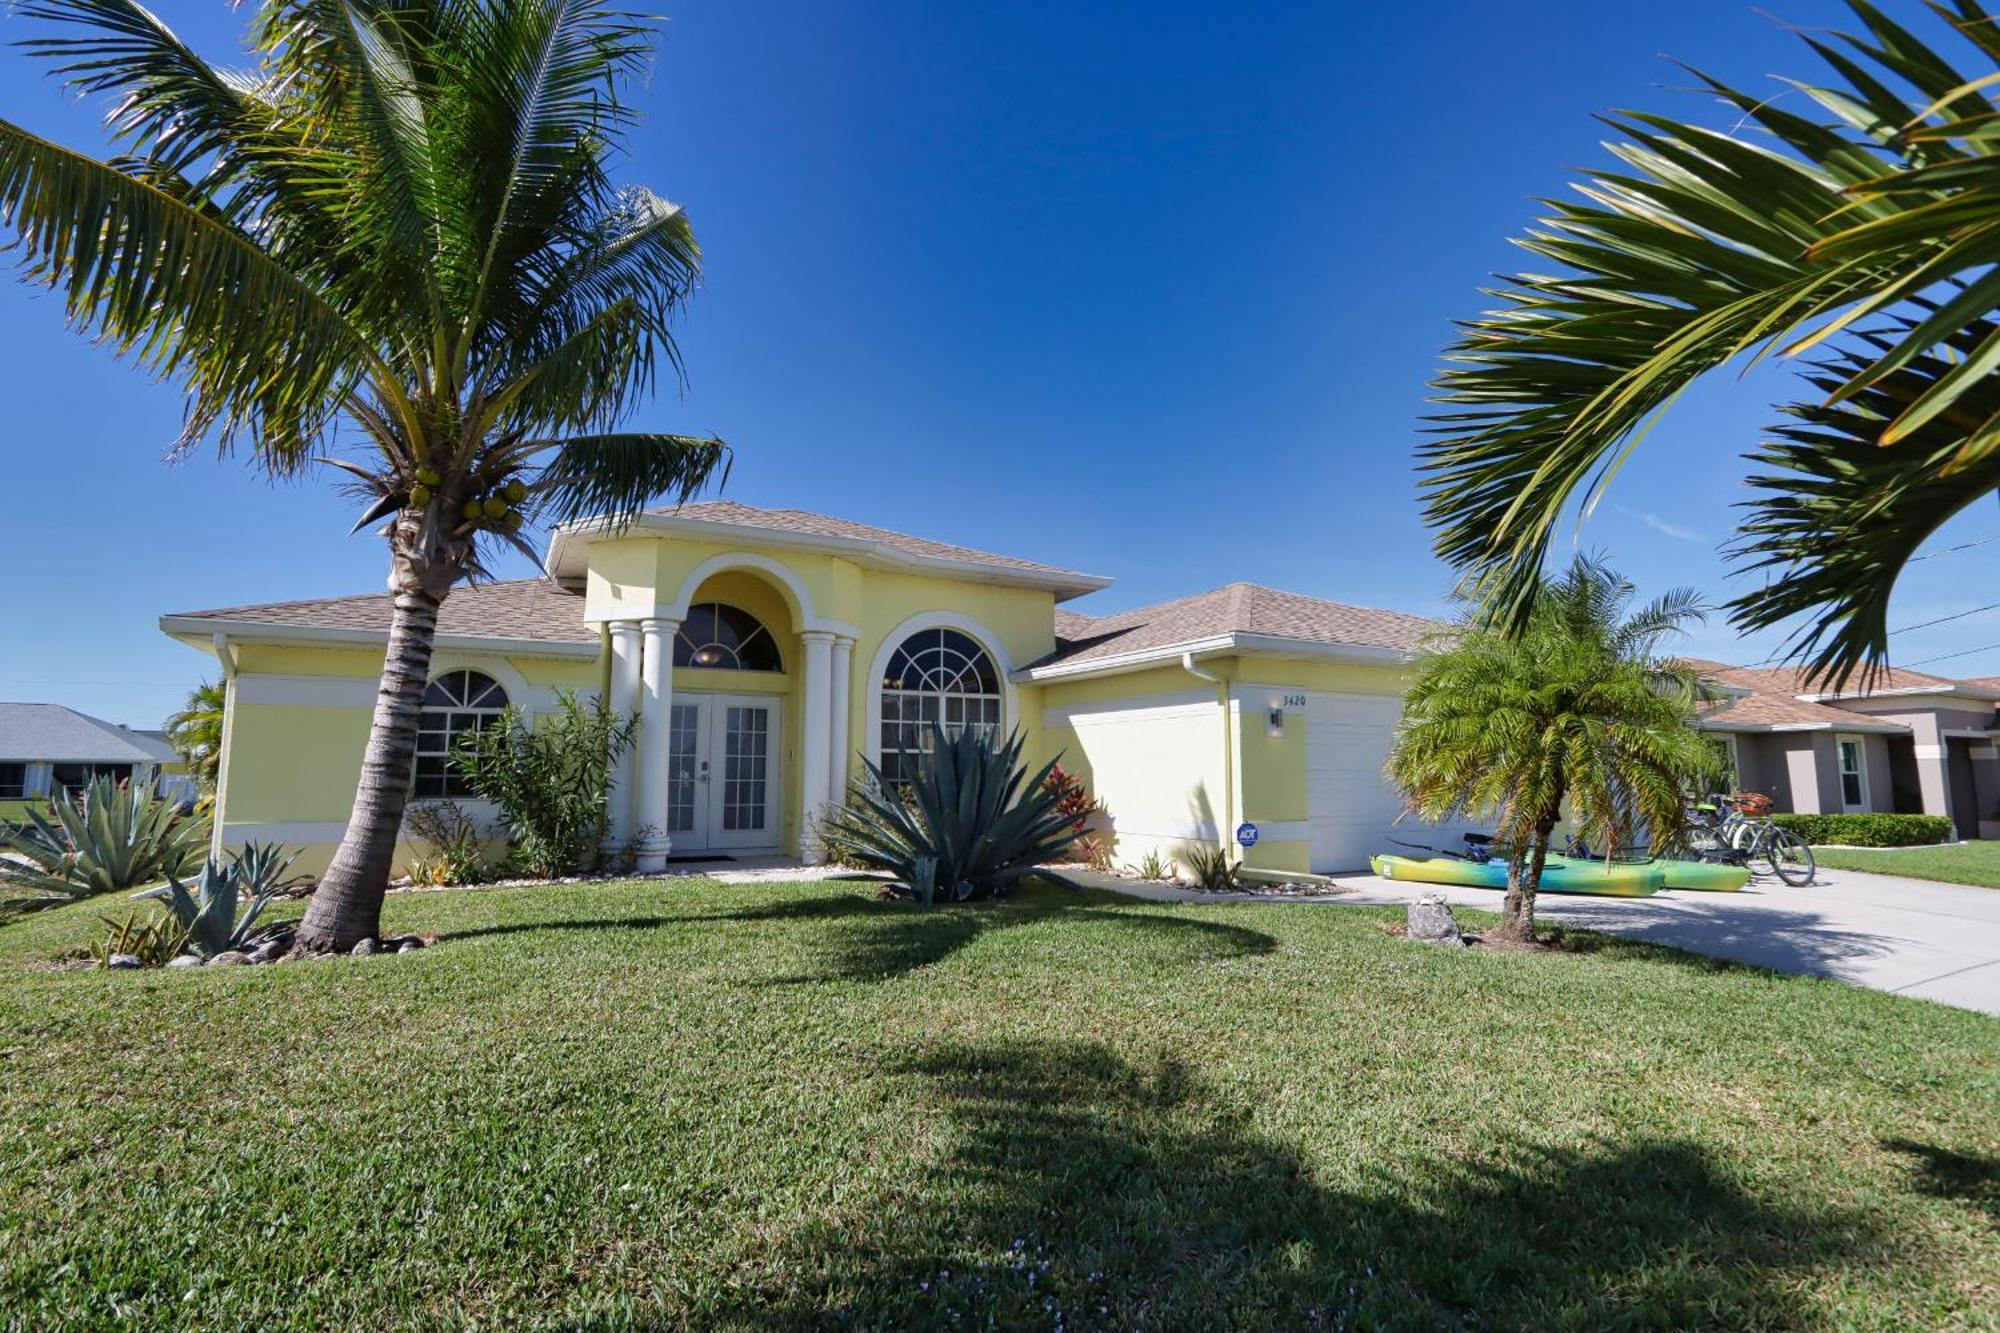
(1770, 702)
(533, 609)
(802, 523)
(1238, 608)
(1792, 680)
(53, 733)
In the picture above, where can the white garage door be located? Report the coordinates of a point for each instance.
(1352, 805)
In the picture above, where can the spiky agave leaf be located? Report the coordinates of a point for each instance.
(969, 822)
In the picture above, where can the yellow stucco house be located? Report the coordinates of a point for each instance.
(765, 651)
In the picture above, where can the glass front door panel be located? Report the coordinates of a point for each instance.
(746, 752)
(683, 769)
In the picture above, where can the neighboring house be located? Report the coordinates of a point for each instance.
(767, 651)
(1907, 741)
(46, 749)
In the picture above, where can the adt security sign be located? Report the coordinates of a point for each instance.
(1246, 834)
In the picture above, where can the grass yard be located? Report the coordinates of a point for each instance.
(1962, 863)
(689, 1105)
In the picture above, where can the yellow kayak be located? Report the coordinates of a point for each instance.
(1618, 879)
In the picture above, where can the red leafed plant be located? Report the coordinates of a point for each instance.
(1076, 805)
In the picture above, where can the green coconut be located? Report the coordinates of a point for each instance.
(495, 507)
(427, 476)
(516, 491)
(471, 509)
(420, 495)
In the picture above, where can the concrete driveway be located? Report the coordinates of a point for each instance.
(1910, 936)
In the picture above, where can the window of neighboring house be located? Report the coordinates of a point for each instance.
(73, 778)
(725, 638)
(936, 675)
(13, 781)
(1728, 773)
(457, 703)
(1853, 777)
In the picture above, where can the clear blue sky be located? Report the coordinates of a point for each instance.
(1150, 291)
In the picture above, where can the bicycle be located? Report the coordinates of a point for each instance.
(1747, 836)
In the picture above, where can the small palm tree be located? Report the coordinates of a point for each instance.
(1855, 217)
(395, 247)
(195, 732)
(1578, 709)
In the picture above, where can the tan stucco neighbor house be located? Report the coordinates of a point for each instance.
(1905, 741)
(767, 652)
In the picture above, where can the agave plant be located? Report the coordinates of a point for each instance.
(209, 913)
(98, 840)
(260, 869)
(1212, 867)
(970, 822)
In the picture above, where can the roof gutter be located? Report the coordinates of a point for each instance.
(256, 631)
(1275, 645)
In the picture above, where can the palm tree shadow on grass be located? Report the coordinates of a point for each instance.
(1082, 1191)
(880, 940)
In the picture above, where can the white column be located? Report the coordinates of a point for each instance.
(656, 715)
(624, 703)
(838, 756)
(818, 731)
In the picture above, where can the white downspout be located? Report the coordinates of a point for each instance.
(225, 653)
(1228, 750)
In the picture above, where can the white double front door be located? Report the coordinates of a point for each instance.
(722, 773)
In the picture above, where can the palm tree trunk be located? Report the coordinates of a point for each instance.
(1524, 880)
(346, 908)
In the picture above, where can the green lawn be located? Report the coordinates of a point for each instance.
(640, 1106)
(1962, 863)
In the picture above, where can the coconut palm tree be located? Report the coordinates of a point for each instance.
(1852, 220)
(195, 732)
(1578, 707)
(394, 246)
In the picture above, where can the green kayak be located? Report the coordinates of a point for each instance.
(1619, 879)
(1705, 876)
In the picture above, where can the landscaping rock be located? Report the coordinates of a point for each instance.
(1431, 921)
(230, 958)
(186, 960)
(362, 949)
(121, 961)
(270, 951)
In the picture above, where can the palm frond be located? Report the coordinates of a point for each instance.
(617, 476)
(183, 294)
(1706, 248)
(1837, 516)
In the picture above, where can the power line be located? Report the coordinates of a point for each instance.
(1956, 615)
(1946, 657)
(1963, 546)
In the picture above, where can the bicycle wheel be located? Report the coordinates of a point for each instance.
(1791, 859)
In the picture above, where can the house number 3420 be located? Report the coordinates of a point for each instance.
(1294, 701)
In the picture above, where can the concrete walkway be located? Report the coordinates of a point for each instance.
(1910, 936)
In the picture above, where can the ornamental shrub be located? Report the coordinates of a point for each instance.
(551, 780)
(1870, 830)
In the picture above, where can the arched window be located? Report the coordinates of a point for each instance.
(456, 703)
(936, 675)
(725, 638)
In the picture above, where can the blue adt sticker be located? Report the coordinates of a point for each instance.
(1247, 834)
